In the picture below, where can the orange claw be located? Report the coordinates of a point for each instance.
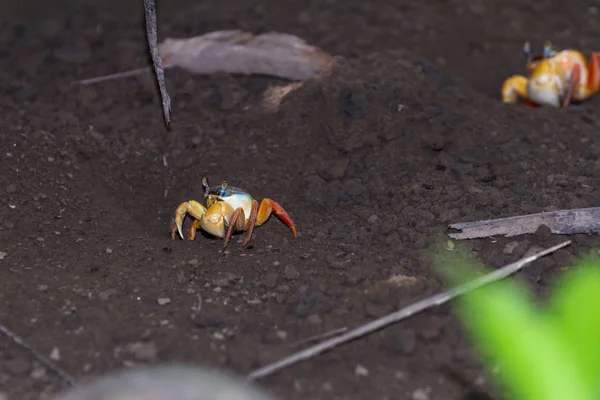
(266, 207)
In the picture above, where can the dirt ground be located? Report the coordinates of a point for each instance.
(372, 164)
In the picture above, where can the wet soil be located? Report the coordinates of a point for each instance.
(373, 162)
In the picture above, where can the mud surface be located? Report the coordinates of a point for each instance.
(372, 163)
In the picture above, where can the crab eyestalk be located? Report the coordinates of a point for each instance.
(549, 51)
(527, 51)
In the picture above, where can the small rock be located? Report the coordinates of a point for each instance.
(532, 250)
(373, 219)
(55, 354)
(326, 386)
(3, 255)
(290, 272)
(354, 276)
(206, 320)
(510, 247)
(193, 262)
(281, 334)
(338, 169)
(163, 301)
(108, 250)
(361, 371)
(143, 351)
(224, 281)
(421, 394)
(400, 375)
(106, 294)
(270, 280)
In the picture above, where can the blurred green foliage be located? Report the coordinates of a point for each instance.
(549, 352)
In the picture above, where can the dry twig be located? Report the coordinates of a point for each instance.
(152, 35)
(41, 358)
(323, 335)
(399, 315)
(565, 222)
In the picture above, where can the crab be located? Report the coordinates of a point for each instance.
(227, 209)
(555, 78)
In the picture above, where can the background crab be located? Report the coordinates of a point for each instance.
(555, 78)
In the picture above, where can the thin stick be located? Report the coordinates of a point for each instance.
(152, 35)
(319, 336)
(399, 315)
(112, 77)
(41, 358)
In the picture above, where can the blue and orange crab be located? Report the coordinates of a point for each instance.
(227, 209)
(555, 78)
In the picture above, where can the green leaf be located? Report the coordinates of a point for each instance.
(534, 361)
(574, 312)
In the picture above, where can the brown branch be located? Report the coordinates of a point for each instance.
(152, 35)
(564, 222)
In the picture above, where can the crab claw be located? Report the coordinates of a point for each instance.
(191, 207)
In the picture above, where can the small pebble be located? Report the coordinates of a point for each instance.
(143, 351)
(108, 250)
(3, 255)
(361, 371)
(55, 354)
(510, 247)
(281, 334)
(163, 301)
(106, 294)
(314, 319)
(421, 394)
(219, 336)
(290, 272)
(217, 289)
(270, 280)
(193, 262)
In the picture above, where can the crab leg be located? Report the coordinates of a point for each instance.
(572, 84)
(257, 218)
(236, 223)
(193, 208)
